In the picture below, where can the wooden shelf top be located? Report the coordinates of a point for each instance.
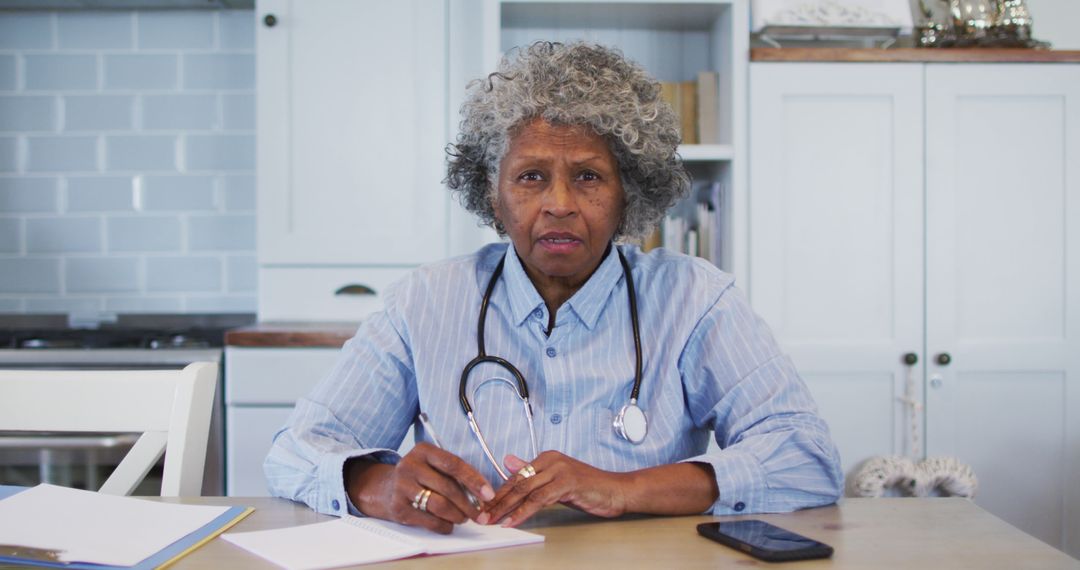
(914, 55)
(292, 334)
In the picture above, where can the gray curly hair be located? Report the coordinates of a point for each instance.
(572, 84)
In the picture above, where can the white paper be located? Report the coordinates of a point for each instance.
(350, 541)
(96, 528)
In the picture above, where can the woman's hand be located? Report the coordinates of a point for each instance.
(558, 479)
(388, 491)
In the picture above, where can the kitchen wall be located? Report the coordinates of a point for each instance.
(127, 161)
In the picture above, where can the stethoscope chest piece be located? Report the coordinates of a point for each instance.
(631, 424)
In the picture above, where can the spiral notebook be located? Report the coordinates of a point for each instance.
(351, 540)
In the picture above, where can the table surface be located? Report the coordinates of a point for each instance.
(866, 533)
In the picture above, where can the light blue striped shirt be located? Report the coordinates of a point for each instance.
(711, 367)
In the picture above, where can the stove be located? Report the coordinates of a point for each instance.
(115, 342)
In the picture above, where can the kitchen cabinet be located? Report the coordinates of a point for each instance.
(351, 122)
(924, 210)
(262, 386)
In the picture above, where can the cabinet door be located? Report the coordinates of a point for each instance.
(836, 237)
(351, 131)
(1003, 186)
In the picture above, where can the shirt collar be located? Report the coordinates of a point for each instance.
(587, 303)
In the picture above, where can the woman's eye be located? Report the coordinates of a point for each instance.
(588, 176)
(531, 176)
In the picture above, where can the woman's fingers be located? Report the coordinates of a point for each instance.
(523, 485)
(443, 474)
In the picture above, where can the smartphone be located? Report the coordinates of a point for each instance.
(765, 541)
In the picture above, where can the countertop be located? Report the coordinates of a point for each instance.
(916, 55)
(292, 334)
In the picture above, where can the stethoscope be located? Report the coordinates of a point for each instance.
(630, 424)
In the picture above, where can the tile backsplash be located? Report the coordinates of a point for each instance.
(127, 161)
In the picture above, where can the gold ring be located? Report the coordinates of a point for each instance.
(420, 501)
(527, 471)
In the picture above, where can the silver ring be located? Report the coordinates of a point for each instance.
(527, 471)
(420, 501)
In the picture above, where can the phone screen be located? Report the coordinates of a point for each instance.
(764, 540)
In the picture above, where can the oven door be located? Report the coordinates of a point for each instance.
(85, 460)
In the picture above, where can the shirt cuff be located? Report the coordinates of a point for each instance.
(740, 479)
(332, 498)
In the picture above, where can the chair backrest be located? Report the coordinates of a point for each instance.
(171, 408)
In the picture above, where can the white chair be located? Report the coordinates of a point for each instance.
(171, 408)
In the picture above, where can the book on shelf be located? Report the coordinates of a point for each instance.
(696, 104)
(696, 229)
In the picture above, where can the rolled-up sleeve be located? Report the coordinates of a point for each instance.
(363, 407)
(775, 454)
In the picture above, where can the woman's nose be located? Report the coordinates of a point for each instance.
(559, 200)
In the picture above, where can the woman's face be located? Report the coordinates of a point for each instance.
(560, 199)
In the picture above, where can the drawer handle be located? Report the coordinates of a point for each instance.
(354, 289)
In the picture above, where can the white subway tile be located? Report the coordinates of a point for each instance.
(27, 113)
(183, 274)
(61, 153)
(29, 275)
(180, 112)
(177, 193)
(144, 304)
(222, 304)
(228, 232)
(140, 71)
(236, 29)
(63, 305)
(99, 112)
(143, 233)
(140, 152)
(7, 72)
(28, 194)
(220, 152)
(63, 235)
(99, 194)
(8, 151)
(239, 192)
(176, 29)
(60, 71)
(219, 71)
(239, 111)
(26, 30)
(10, 235)
(241, 273)
(101, 274)
(86, 29)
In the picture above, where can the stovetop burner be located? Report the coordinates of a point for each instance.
(39, 332)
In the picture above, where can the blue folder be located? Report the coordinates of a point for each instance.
(163, 558)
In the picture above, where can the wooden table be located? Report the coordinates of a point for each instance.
(866, 533)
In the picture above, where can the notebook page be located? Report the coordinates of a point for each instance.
(465, 538)
(322, 545)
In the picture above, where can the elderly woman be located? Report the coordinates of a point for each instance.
(561, 367)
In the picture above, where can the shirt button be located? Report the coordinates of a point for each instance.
(538, 314)
(556, 418)
(551, 352)
(739, 507)
(335, 504)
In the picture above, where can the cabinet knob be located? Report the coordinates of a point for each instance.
(270, 20)
(943, 359)
(354, 289)
(911, 359)
(936, 382)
